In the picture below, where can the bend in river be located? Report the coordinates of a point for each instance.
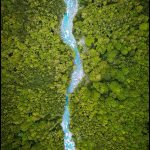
(77, 74)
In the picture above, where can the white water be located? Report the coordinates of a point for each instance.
(77, 74)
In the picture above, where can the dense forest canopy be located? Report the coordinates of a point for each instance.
(109, 109)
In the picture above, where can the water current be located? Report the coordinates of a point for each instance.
(77, 74)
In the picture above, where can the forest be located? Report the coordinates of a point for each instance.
(109, 108)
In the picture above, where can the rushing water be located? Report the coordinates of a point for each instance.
(77, 74)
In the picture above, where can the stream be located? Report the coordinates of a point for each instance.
(77, 74)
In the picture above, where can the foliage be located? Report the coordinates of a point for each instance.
(35, 73)
(110, 108)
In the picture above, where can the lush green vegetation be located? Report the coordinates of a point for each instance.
(35, 72)
(109, 109)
